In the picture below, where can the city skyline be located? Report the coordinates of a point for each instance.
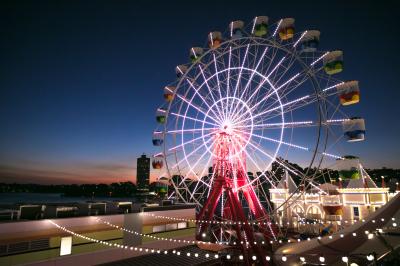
(81, 83)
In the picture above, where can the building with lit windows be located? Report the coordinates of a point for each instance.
(143, 173)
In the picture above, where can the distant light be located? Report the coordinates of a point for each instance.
(302, 259)
(321, 259)
(241, 257)
(345, 259)
(370, 236)
(228, 257)
(268, 258)
(394, 224)
(254, 257)
(284, 258)
(203, 235)
(370, 257)
(354, 234)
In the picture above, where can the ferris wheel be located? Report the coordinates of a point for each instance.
(256, 99)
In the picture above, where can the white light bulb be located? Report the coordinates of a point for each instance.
(302, 259)
(254, 257)
(345, 259)
(284, 258)
(321, 259)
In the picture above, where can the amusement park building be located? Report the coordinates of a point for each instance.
(343, 204)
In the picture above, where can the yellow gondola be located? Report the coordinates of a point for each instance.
(214, 39)
(349, 92)
(286, 29)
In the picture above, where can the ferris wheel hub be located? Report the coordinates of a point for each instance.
(227, 127)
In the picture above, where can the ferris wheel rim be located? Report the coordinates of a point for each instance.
(279, 47)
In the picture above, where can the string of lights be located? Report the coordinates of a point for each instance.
(280, 241)
(302, 221)
(302, 258)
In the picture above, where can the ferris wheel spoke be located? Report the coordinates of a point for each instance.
(301, 99)
(190, 130)
(273, 158)
(217, 117)
(277, 141)
(251, 77)
(194, 119)
(189, 103)
(228, 79)
(190, 141)
(277, 27)
(186, 156)
(319, 59)
(218, 84)
(276, 76)
(299, 39)
(210, 91)
(192, 167)
(256, 165)
(248, 101)
(274, 90)
(294, 85)
(239, 77)
(201, 175)
(287, 91)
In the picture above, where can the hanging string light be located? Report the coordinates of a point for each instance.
(284, 258)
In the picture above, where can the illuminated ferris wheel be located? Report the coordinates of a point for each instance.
(258, 97)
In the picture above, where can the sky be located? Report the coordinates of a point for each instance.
(80, 80)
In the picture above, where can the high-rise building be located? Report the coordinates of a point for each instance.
(143, 173)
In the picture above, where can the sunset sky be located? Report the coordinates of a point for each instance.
(80, 82)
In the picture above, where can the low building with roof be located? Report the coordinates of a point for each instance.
(354, 198)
